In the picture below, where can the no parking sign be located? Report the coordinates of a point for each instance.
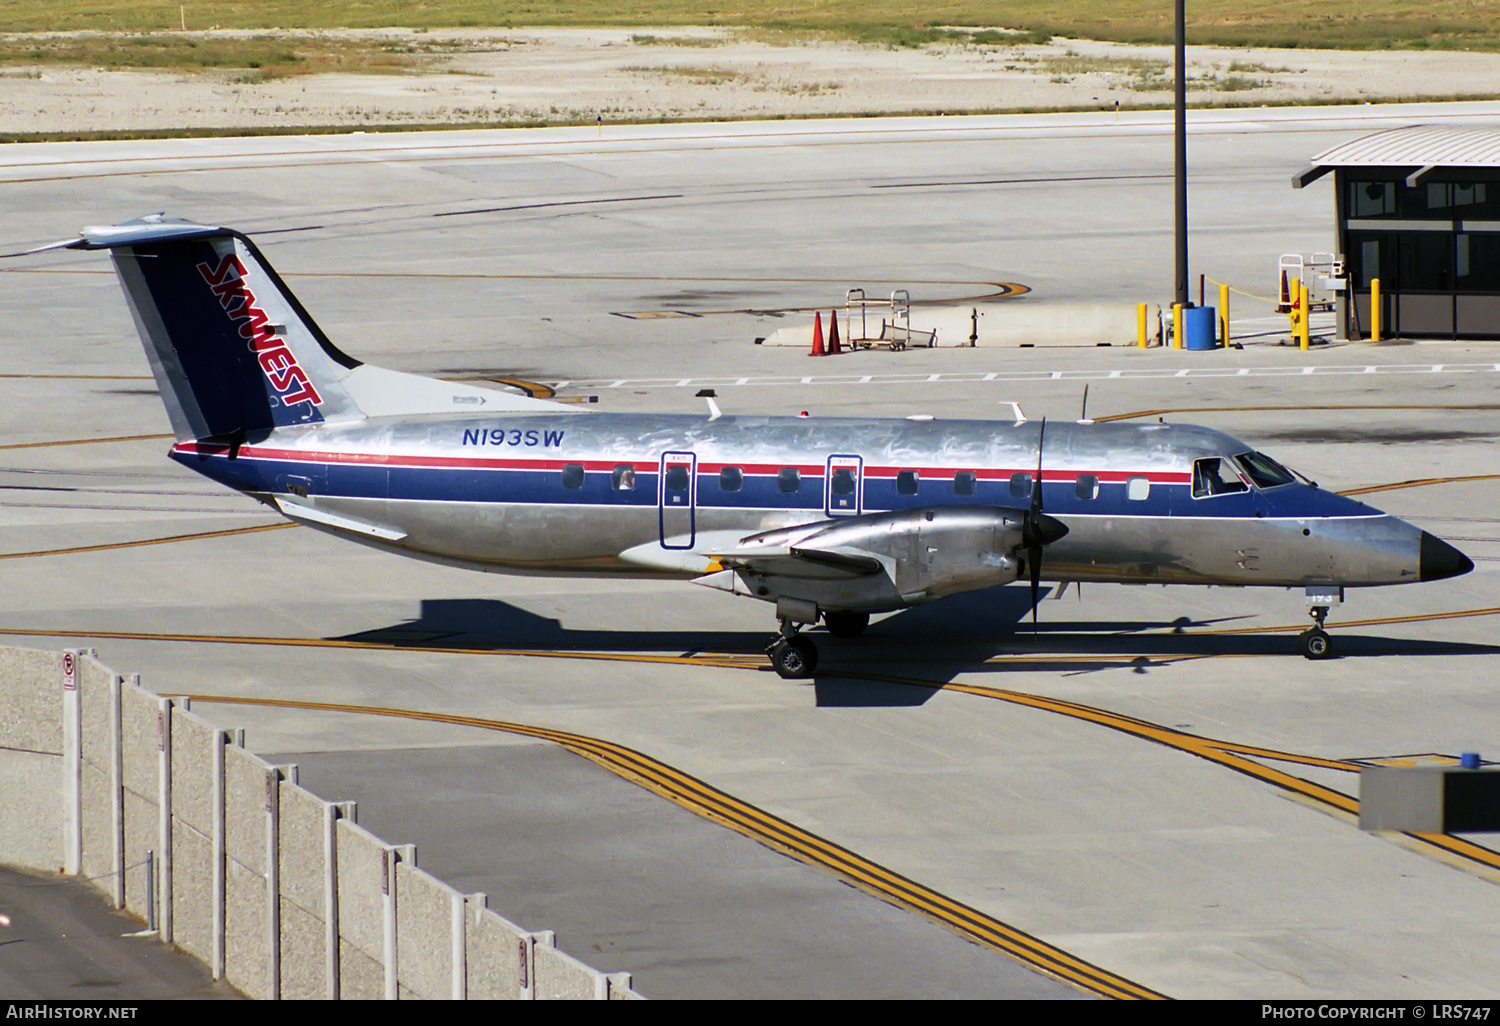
(70, 671)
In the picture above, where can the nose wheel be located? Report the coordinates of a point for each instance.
(793, 656)
(1315, 642)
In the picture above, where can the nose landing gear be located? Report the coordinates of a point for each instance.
(1315, 642)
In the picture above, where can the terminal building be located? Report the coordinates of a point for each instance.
(1418, 209)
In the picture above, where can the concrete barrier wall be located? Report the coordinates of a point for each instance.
(278, 891)
(31, 772)
(304, 877)
(197, 833)
(363, 880)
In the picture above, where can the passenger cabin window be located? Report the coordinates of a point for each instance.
(964, 482)
(1137, 488)
(623, 478)
(843, 481)
(906, 482)
(1086, 487)
(1215, 476)
(572, 475)
(1020, 486)
(731, 479)
(788, 480)
(677, 478)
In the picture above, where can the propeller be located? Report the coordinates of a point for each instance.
(1038, 529)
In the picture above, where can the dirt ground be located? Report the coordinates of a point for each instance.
(577, 75)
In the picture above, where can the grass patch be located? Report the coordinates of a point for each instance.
(697, 76)
(261, 57)
(704, 42)
(1352, 24)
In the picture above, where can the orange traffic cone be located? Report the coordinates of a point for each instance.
(833, 333)
(1285, 305)
(817, 349)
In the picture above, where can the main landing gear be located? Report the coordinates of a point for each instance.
(1315, 643)
(793, 656)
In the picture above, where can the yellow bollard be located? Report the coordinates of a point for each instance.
(1224, 314)
(1374, 309)
(1304, 337)
(1140, 325)
(1294, 304)
(1176, 325)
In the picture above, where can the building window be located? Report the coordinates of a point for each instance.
(731, 479)
(964, 482)
(906, 482)
(1371, 199)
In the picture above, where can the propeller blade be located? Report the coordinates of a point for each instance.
(1034, 527)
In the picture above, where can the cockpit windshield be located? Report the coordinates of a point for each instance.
(1264, 471)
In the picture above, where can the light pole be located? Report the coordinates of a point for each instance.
(1180, 145)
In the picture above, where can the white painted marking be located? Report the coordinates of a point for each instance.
(1129, 374)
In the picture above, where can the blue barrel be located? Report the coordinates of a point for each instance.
(1199, 327)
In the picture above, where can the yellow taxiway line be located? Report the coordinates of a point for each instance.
(693, 794)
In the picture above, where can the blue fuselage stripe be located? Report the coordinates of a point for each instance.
(758, 492)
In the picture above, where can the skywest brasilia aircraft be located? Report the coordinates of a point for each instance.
(827, 519)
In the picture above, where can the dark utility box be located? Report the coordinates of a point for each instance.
(1429, 799)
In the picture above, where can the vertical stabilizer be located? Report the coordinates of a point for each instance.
(233, 351)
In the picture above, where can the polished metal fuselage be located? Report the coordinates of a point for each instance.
(540, 493)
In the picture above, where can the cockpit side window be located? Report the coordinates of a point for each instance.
(1264, 471)
(1216, 476)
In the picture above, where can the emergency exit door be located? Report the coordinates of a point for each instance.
(677, 497)
(844, 486)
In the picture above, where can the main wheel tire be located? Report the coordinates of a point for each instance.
(794, 658)
(844, 624)
(1315, 643)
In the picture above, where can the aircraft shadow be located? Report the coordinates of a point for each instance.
(985, 632)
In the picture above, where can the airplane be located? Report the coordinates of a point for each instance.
(827, 519)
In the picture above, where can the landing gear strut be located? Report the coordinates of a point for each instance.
(793, 656)
(1314, 643)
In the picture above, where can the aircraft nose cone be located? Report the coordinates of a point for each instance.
(1438, 559)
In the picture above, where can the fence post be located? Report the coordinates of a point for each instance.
(72, 767)
(164, 812)
(273, 881)
(117, 788)
(219, 742)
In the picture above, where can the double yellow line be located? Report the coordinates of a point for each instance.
(744, 818)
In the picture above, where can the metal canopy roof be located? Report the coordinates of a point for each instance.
(1420, 146)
